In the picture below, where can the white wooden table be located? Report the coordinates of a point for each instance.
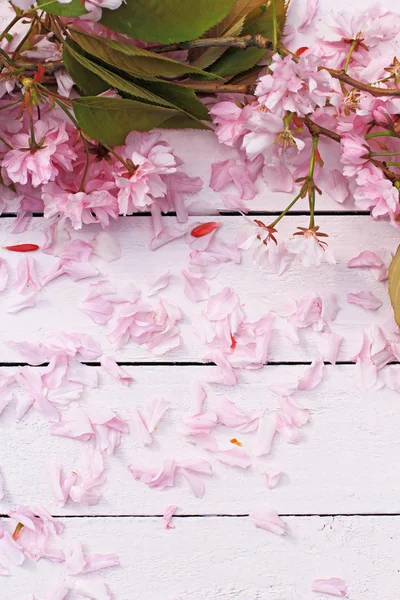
(341, 492)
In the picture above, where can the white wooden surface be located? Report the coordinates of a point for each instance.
(347, 460)
(258, 290)
(228, 559)
(346, 463)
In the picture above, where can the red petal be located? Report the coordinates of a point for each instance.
(301, 50)
(204, 229)
(22, 248)
(234, 342)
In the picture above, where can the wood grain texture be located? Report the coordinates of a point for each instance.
(347, 460)
(228, 559)
(258, 290)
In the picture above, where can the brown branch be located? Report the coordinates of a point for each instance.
(359, 85)
(387, 172)
(317, 130)
(245, 41)
(218, 88)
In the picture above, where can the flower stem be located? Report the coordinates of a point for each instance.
(10, 26)
(5, 143)
(274, 25)
(392, 164)
(352, 48)
(369, 136)
(384, 153)
(85, 172)
(311, 190)
(7, 58)
(289, 206)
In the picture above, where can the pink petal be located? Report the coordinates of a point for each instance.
(336, 185)
(334, 586)
(191, 469)
(224, 373)
(106, 246)
(236, 457)
(264, 438)
(153, 412)
(156, 478)
(200, 424)
(23, 302)
(90, 476)
(310, 8)
(269, 520)
(76, 250)
(74, 424)
(139, 430)
(167, 517)
(329, 346)
(2, 493)
(272, 477)
(3, 274)
(232, 416)
(312, 376)
(196, 287)
(196, 405)
(159, 284)
(77, 563)
(365, 259)
(11, 550)
(168, 234)
(27, 280)
(366, 300)
(95, 590)
(115, 370)
(61, 484)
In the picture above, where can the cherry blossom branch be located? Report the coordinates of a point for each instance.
(216, 88)
(317, 130)
(242, 42)
(359, 85)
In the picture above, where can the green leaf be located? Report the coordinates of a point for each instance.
(210, 55)
(162, 93)
(109, 120)
(75, 8)
(394, 285)
(258, 21)
(135, 61)
(85, 79)
(166, 21)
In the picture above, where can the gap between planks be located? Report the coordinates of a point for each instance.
(289, 363)
(235, 213)
(217, 516)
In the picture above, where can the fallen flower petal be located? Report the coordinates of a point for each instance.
(232, 416)
(106, 246)
(333, 586)
(328, 346)
(205, 229)
(113, 369)
(366, 300)
(153, 477)
(196, 287)
(167, 517)
(22, 248)
(236, 457)
(272, 477)
(95, 590)
(264, 438)
(3, 274)
(159, 284)
(269, 520)
(77, 563)
(312, 376)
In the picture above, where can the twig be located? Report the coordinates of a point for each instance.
(359, 85)
(245, 41)
(317, 130)
(216, 88)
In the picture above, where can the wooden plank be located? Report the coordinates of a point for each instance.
(228, 559)
(347, 460)
(258, 290)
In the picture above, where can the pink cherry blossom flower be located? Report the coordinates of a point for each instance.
(39, 165)
(95, 8)
(295, 87)
(231, 119)
(309, 248)
(151, 159)
(354, 154)
(268, 136)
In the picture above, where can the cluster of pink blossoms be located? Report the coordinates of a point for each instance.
(272, 135)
